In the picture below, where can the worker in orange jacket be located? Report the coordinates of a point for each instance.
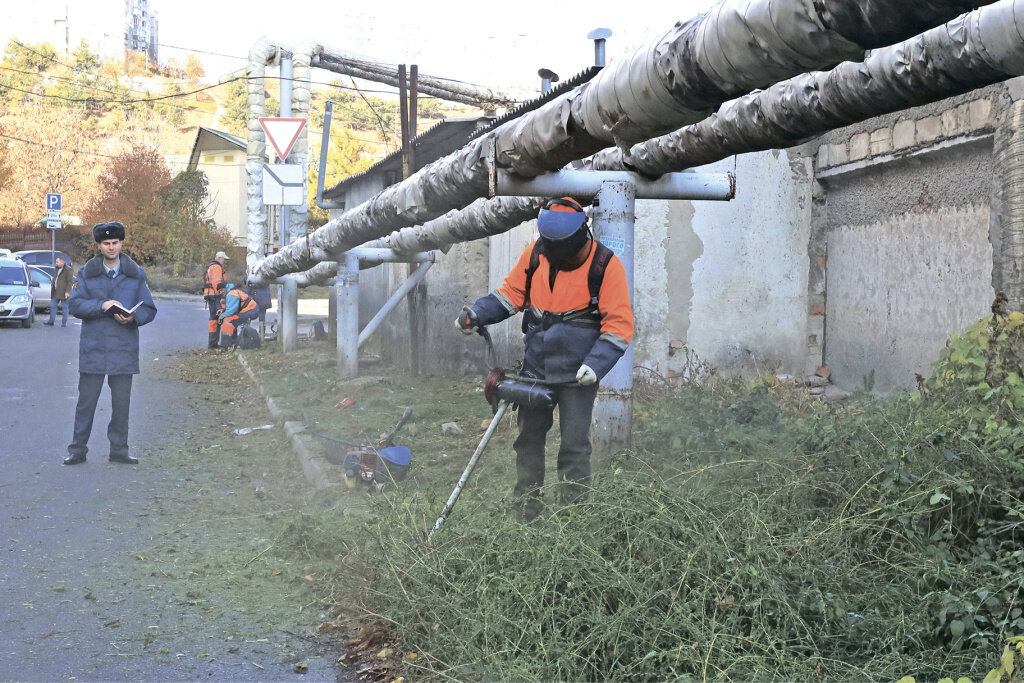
(239, 307)
(578, 322)
(213, 289)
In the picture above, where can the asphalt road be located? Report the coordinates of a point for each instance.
(65, 531)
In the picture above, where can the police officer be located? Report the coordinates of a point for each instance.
(109, 343)
(578, 322)
(213, 289)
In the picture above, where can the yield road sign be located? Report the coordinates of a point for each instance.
(53, 201)
(282, 133)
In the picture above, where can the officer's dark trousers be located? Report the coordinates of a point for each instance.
(575, 407)
(90, 384)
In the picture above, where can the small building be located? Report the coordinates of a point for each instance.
(221, 156)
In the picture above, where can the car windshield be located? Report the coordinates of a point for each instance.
(12, 275)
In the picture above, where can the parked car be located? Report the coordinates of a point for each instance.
(16, 300)
(44, 258)
(42, 293)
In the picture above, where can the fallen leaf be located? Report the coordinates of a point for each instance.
(113, 624)
(386, 652)
(300, 667)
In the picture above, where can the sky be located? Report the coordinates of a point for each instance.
(500, 46)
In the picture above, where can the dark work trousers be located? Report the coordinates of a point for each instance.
(575, 407)
(213, 303)
(90, 384)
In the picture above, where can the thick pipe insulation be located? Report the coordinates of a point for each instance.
(675, 80)
(262, 53)
(971, 51)
(298, 217)
(483, 218)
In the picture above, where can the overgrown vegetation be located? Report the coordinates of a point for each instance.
(751, 533)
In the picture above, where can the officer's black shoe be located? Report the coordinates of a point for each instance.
(74, 459)
(123, 459)
(47, 323)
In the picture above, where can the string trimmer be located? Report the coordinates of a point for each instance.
(501, 392)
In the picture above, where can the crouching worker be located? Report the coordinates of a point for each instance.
(239, 307)
(578, 322)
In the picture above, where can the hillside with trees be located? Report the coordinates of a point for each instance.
(98, 131)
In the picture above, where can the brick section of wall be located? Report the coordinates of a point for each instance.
(910, 134)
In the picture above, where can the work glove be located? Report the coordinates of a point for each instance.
(586, 375)
(468, 322)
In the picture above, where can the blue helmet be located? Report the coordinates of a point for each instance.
(560, 219)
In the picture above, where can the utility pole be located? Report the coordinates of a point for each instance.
(67, 31)
(407, 99)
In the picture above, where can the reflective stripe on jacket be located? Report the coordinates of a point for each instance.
(555, 349)
(237, 302)
(214, 281)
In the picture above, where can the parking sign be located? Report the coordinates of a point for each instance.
(53, 202)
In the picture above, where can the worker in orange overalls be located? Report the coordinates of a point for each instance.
(213, 290)
(239, 307)
(578, 322)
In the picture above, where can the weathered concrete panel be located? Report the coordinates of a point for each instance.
(898, 287)
(749, 304)
(958, 176)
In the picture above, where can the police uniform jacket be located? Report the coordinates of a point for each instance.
(107, 346)
(555, 349)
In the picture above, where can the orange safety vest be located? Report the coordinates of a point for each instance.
(213, 282)
(531, 277)
(245, 302)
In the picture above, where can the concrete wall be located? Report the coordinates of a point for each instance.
(904, 234)
(727, 279)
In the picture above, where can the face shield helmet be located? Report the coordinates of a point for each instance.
(563, 228)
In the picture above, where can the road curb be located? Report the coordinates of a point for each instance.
(312, 468)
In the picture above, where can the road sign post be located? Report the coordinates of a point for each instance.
(54, 204)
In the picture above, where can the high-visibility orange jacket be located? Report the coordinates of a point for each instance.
(557, 344)
(237, 302)
(214, 281)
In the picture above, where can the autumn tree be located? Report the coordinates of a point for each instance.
(193, 68)
(84, 60)
(56, 151)
(129, 191)
(191, 234)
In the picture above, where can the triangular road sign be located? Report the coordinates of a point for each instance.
(282, 133)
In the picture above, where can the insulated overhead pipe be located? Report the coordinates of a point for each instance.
(972, 51)
(675, 80)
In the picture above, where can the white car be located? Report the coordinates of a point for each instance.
(16, 300)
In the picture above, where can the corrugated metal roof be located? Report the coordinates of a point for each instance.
(209, 139)
(530, 105)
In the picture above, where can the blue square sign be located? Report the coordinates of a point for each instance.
(53, 202)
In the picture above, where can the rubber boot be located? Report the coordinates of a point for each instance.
(212, 344)
(227, 341)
